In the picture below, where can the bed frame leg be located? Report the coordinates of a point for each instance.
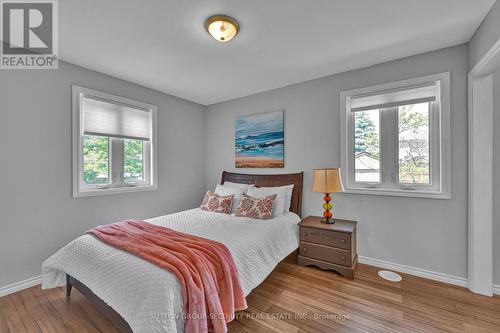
(69, 286)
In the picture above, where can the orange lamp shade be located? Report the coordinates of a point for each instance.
(327, 180)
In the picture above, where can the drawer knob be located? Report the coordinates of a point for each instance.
(306, 234)
(304, 249)
(342, 240)
(342, 258)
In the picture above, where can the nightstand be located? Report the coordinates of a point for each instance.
(328, 246)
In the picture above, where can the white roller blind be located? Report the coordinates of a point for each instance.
(394, 98)
(115, 120)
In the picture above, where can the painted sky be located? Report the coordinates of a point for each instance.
(259, 123)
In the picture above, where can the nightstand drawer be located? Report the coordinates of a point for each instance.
(325, 253)
(326, 237)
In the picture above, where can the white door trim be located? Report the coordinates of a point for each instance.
(480, 210)
(480, 173)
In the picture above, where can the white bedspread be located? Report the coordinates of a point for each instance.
(150, 298)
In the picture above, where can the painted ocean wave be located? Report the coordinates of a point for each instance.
(269, 145)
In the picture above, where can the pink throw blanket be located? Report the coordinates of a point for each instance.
(205, 269)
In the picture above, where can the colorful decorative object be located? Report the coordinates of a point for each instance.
(327, 181)
(216, 203)
(260, 140)
(256, 208)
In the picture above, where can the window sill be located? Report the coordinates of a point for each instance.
(399, 193)
(113, 190)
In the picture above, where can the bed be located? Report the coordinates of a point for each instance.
(138, 296)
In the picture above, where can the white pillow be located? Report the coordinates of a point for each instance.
(224, 190)
(281, 197)
(239, 185)
(288, 202)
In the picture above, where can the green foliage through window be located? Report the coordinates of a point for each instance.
(366, 136)
(95, 159)
(367, 146)
(133, 164)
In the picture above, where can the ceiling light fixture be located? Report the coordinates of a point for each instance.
(222, 28)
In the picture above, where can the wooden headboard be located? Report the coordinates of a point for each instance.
(271, 180)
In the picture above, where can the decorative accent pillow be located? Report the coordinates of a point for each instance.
(223, 190)
(281, 192)
(256, 208)
(217, 204)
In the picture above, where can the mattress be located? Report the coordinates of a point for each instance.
(150, 298)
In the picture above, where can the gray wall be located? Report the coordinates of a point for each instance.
(38, 214)
(496, 177)
(486, 35)
(425, 233)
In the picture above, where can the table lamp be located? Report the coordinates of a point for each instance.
(327, 180)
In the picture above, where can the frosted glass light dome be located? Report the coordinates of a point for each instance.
(222, 28)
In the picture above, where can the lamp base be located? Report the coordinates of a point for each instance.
(327, 206)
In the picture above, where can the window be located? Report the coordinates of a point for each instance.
(114, 144)
(133, 160)
(395, 138)
(414, 144)
(96, 160)
(367, 146)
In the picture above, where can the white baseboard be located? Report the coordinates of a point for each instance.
(15, 287)
(496, 289)
(455, 280)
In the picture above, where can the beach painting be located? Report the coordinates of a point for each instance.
(260, 140)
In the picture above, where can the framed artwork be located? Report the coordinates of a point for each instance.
(260, 140)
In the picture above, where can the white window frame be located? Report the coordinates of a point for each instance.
(116, 158)
(440, 158)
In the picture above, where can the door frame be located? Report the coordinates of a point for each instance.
(480, 172)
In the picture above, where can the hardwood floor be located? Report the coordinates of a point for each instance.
(292, 299)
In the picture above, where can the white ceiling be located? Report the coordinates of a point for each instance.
(162, 44)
